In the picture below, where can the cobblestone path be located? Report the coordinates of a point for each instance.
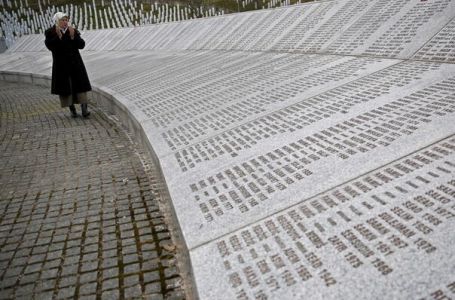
(79, 217)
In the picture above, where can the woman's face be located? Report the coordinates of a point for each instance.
(63, 22)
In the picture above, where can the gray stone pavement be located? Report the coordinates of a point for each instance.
(79, 217)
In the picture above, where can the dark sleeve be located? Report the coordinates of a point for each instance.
(80, 43)
(52, 40)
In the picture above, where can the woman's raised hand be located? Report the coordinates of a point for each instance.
(71, 30)
(59, 31)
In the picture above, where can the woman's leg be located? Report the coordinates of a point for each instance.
(73, 111)
(85, 112)
(66, 101)
(82, 99)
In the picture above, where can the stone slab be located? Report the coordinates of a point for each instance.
(440, 47)
(394, 28)
(229, 191)
(385, 234)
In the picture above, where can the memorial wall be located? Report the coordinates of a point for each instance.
(308, 151)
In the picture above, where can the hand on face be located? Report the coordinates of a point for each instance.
(59, 31)
(71, 30)
(63, 25)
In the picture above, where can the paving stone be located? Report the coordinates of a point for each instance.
(25, 289)
(66, 292)
(45, 284)
(131, 280)
(68, 280)
(89, 266)
(170, 272)
(129, 250)
(43, 241)
(112, 294)
(151, 277)
(28, 278)
(109, 262)
(150, 265)
(132, 268)
(44, 295)
(57, 246)
(73, 249)
(153, 296)
(69, 270)
(23, 297)
(173, 283)
(150, 254)
(91, 249)
(36, 258)
(87, 297)
(88, 289)
(153, 288)
(175, 295)
(51, 264)
(133, 292)
(50, 273)
(90, 257)
(53, 255)
(112, 283)
(111, 272)
(7, 294)
(13, 272)
(127, 240)
(148, 245)
(40, 249)
(56, 238)
(88, 277)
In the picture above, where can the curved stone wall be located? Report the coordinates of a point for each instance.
(308, 151)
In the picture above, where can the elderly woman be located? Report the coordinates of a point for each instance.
(69, 77)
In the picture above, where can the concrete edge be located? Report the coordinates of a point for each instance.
(114, 104)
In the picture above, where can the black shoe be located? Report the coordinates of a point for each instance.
(85, 112)
(73, 111)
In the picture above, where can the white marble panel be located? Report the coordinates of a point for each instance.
(386, 234)
(212, 199)
(441, 47)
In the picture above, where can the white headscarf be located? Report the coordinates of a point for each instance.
(58, 16)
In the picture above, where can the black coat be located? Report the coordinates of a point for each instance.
(67, 63)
